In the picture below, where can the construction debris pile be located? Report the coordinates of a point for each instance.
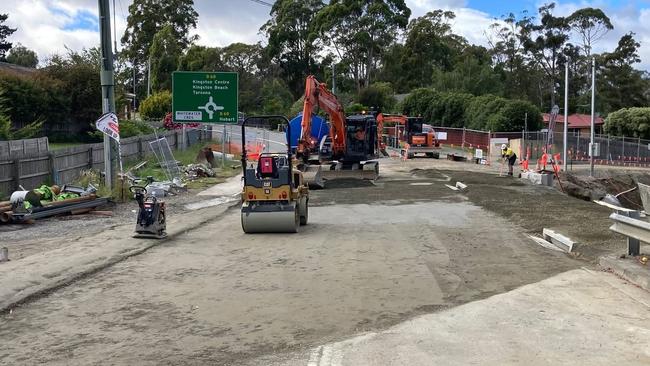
(194, 171)
(47, 201)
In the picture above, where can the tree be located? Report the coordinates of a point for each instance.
(591, 24)
(276, 97)
(417, 102)
(164, 54)
(360, 30)
(5, 32)
(429, 45)
(480, 109)
(77, 75)
(147, 17)
(21, 55)
(629, 122)
(245, 59)
(6, 129)
(545, 42)
(448, 109)
(619, 84)
(471, 73)
(292, 39)
(201, 58)
(379, 96)
(507, 48)
(513, 116)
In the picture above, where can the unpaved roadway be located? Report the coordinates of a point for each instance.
(372, 256)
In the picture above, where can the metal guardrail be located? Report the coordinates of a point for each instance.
(635, 230)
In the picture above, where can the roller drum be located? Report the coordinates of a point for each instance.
(276, 218)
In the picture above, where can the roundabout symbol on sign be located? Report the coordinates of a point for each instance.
(210, 107)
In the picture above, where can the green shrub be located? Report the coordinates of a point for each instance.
(156, 106)
(629, 122)
(379, 96)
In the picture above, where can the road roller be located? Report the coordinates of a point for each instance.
(275, 197)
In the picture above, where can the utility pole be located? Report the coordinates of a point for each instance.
(593, 113)
(566, 113)
(108, 83)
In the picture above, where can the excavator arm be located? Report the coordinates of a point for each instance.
(317, 95)
(381, 119)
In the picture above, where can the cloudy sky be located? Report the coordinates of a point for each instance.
(48, 26)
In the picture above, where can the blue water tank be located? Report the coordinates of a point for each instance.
(319, 128)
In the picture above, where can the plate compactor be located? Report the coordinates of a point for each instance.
(151, 222)
(275, 197)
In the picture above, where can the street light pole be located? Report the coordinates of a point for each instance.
(108, 83)
(593, 111)
(566, 113)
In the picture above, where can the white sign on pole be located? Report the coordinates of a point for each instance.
(441, 135)
(109, 125)
(478, 154)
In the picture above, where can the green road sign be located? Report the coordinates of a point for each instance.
(205, 97)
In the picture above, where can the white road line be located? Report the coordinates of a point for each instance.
(315, 355)
(326, 357)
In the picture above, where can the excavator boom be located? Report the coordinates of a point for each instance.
(317, 95)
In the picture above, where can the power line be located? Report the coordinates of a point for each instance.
(263, 3)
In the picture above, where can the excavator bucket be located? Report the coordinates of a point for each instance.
(366, 171)
(312, 174)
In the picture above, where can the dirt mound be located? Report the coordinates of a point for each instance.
(591, 188)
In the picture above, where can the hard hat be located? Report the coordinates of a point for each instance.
(504, 146)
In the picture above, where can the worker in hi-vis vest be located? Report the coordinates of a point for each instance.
(508, 155)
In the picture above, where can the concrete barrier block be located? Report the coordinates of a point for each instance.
(558, 240)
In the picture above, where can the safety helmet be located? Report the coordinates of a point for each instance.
(504, 146)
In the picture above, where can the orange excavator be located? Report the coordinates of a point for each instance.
(349, 149)
(417, 138)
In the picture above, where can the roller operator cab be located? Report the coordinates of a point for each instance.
(275, 197)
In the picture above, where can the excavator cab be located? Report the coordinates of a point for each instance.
(361, 137)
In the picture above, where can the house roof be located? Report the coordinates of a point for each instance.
(575, 120)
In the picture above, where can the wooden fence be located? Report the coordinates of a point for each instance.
(64, 165)
(23, 147)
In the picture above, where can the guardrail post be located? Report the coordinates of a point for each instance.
(633, 245)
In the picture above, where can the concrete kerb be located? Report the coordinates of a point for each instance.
(33, 292)
(628, 268)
